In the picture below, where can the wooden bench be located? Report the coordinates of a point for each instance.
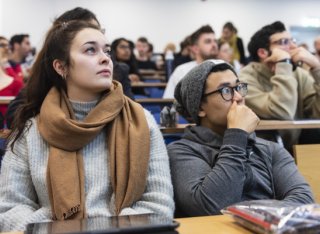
(151, 72)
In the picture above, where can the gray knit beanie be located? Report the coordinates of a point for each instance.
(188, 92)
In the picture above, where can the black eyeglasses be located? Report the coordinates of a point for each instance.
(227, 93)
(285, 41)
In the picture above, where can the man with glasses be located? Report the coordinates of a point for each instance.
(279, 88)
(220, 161)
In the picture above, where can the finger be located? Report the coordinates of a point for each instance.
(234, 104)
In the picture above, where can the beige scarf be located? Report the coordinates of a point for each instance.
(128, 142)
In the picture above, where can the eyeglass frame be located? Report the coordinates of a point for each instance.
(284, 41)
(233, 89)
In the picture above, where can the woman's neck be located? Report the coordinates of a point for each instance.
(81, 109)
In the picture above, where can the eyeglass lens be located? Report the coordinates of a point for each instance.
(228, 92)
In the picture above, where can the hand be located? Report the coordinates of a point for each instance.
(242, 117)
(277, 54)
(300, 54)
(134, 78)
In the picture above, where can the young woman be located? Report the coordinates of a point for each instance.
(79, 147)
(122, 50)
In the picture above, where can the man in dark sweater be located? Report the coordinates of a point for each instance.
(220, 161)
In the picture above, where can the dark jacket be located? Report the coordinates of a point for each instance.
(210, 172)
(121, 74)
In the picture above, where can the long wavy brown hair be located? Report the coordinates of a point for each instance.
(43, 76)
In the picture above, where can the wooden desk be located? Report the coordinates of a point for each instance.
(154, 100)
(151, 72)
(6, 99)
(263, 125)
(210, 224)
(148, 85)
(159, 78)
(203, 225)
(11, 232)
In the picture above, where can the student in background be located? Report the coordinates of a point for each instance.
(184, 55)
(204, 46)
(122, 51)
(9, 86)
(143, 54)
(229, 34)
(279, 88)
(220, 161)
(69, 154)
(317, 47)
(20, 48)
(225, 54)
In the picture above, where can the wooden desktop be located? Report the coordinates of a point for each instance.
(263, 125)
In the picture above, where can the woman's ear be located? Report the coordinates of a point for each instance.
(59, 67)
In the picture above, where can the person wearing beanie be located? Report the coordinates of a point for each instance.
(220, 161)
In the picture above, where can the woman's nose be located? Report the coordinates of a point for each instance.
(105, 58)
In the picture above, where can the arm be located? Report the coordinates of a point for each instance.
(310, 92)
(241, 51)
(310, 85)
(172, 82)
(18, 198)
(289, 185)
(158, 196)
(276, 98)
(121, 74)
(201, 189)
(13, 106)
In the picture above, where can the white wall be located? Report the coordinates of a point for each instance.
(161, 21)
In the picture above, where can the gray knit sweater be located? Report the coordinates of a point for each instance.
(23, 191)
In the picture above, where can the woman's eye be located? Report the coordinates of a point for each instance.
(108, 52)
(90, 50)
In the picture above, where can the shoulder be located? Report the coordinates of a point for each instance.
(150, 119)
(186, 66)
(250, 71)
(153, 125)
(122, 67)
(30, 139)
(184, 146)
(268, 149)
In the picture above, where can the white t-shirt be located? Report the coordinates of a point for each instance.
(176, 76)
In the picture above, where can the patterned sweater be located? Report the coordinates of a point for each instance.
(23, 191)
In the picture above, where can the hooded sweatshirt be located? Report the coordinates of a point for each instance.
(211, 172)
